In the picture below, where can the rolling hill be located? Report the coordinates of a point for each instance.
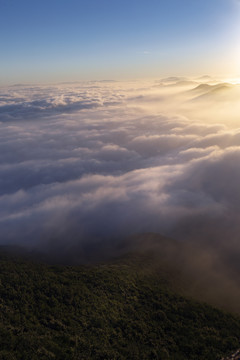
(119, 309)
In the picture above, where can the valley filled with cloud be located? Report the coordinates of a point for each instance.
(84, 167)
(105, 159)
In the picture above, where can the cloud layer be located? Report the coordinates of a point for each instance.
(108, 159)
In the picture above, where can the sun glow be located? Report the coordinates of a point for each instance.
(234, 81)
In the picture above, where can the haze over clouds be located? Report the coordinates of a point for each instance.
(107, 159)
(84, 166)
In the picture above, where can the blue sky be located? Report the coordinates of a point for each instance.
(60, 40)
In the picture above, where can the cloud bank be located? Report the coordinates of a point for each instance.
(94, 160)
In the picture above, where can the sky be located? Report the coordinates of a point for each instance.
(59, 40)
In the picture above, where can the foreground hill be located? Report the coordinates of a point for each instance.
(109, 311)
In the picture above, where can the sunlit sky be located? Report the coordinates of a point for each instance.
(60, 40)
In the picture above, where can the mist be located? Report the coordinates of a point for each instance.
(92, 163)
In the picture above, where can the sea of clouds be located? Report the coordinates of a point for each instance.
(106, 159)
(84, 166)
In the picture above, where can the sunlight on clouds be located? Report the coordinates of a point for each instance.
(96, 159)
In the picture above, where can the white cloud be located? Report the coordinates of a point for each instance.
(108, 159)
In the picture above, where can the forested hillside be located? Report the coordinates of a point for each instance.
(109, 311)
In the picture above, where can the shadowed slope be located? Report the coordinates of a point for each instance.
(118, 310)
